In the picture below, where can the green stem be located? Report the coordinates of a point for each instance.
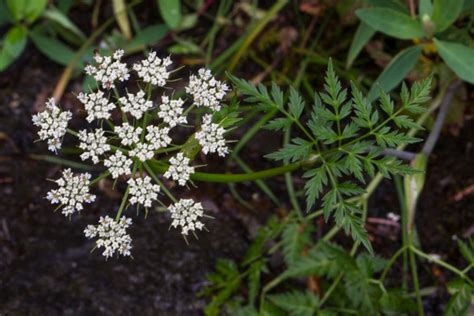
(102, 176)
(416, 283)
(442, 263)
(289, 180)
(225, 178)
(390, 263)
(254, 33)
(163, 187)
(122, 204)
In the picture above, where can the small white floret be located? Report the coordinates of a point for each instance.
(211, 137)
(153, 69)
(179, 169)
(158, 137)
(72, 193)
(94, 144)
(96, 105)
(186, 213)
(206, 90)
(128, 134)
(53, 124)
(111, 235)
(118, 164)
(136, 104)
(142, 191)
(171, 111)
(108, 69)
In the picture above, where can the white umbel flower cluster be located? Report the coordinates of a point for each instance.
(53, 124)
(96, 105)
(118, 164)
(128, 134)
(94, 144)
(136, 104)
(206, 90)
(143, 151)
(171, 111)
(186, 213)
(108, 69)
(179, 169)
(211, 137)
(72, 193)
(142, 191)
(153, 69)
(111, 235)
(158, 137)
(124, 147)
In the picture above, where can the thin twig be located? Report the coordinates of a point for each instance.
(443, 110)
(405, 155)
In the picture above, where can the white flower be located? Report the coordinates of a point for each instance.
(179, 169)
(111, 235)
(393, 217)
(171, 111)
(153, 69)
(142, 191)
(53, 124)
(128, 134)
(73, 191)
(186, 213)
(211, 137)
(118, 164)
(135, 104)
(96, 105)
(108, 69)
(143, 151)
(158, 137)
(94, 144)
(206, 90)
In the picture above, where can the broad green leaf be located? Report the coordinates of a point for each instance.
(5, 15)
(395, 72)
(184, 47)
(34, 9)
(391, 4)
(13, 45)
(468, 6)
(26, 9)
(148, 36)
(65, 5)
(426, 7)
(391, 22)
(170, 11)
(57, 16)
(459, 58)
(17, 8)
(52, 48)
(361, 37)
(445, 12)
(120, 12)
